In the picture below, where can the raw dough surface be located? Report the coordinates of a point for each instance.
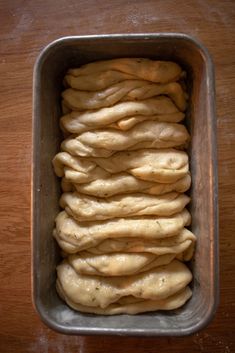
(89, 208)
(95, 291)
(76, 236)
(105, 142)
(78, 122)
(123, 91)
(116, 264)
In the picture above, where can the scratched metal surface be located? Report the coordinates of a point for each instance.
(201, 121)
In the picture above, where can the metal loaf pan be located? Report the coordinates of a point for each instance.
(49, 71)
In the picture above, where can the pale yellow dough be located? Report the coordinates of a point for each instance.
(96, 291)
(123, 91)
(78, 122)
(127, 123)
(97, 81)
(162, 166)
(74, 236)
(116, 264)
(89, 208)
(181, 245)
(122, 230)
(132, 305)
(102, 74)
(105, 142)
(123, 183)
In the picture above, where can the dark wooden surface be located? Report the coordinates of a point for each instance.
(25, 28)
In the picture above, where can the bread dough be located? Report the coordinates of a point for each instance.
(155, 284)
(105, 142)
(76, 169)
(162, 166)
(78, 122)
(99, 75)
(122, 231)
(123, 91)
(178, 245)
(128, 122)
(116, 264)
(74, 236)
(88, 208)
(123, 183)
(131, 306)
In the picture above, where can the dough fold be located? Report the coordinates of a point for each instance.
(131, 306)
(105, 142)
(156, 284)
(127, 123)
(123, 183)
(74, 236)
(87, 208)
(102, 74)
(116, 264)
(162, 166)
(181, 245)
(78, 122)
(123, 91)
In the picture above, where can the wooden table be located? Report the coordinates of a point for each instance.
(26, 27)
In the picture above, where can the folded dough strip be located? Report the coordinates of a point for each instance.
(181, 245)
(123, 91)
(87, 208)
(74, 236)
(78, 122)
(116, 264)
(163, 166)
(105, 142)
(152, 70)
(123, 183)
(132, 307)
(155, 284)
(128, 122)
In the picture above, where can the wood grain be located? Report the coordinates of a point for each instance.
(26, 27)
